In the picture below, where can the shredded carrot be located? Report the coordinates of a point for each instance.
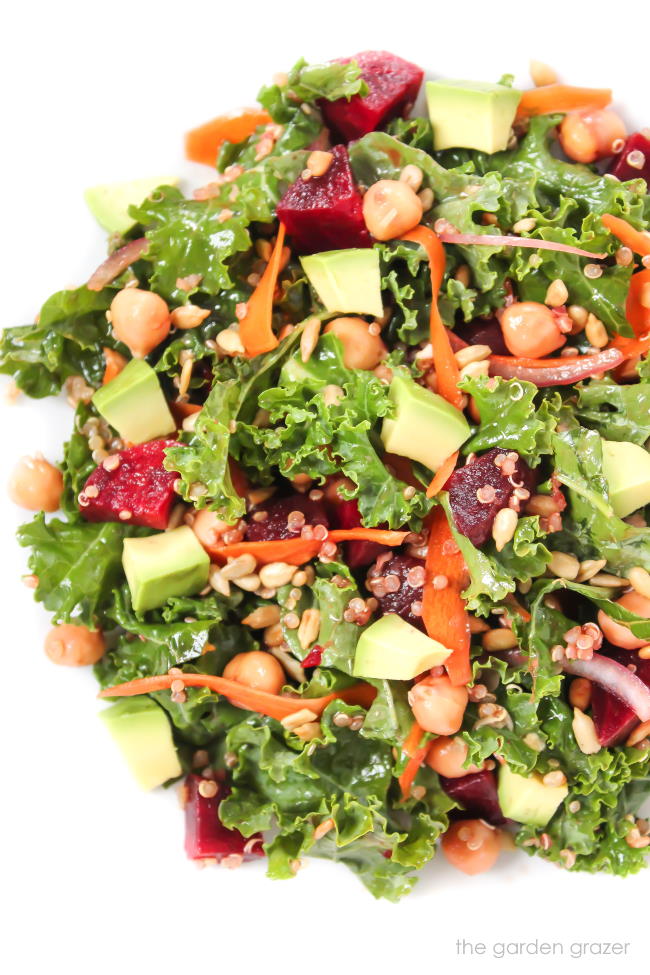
(114, 364)
(443, 610)
(518, 608)
(442, 475)
(413, 765)
(411, 743)
(274, 705)
(255, 328)
(639, 318)
(296, 551)
(444, 361)
(202, 144)
(636, 240)
(561, 98)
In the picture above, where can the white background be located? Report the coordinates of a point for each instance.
(94, 871)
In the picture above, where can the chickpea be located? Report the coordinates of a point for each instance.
(391, 208)
(208, 527)
(530, 330)
(361, 350)
(74, 646)
(446, 757)
(256, 669)
(471, 845)
(438, 706)
(36, 485)
(333, 487)
(592, 134)
(618, 634)
(140, 319)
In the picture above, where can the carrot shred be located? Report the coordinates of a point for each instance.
(255, 328)
(518, 608)
(296, 551)
(639, 318)
(202, 144)
(411, 743)
(442, 475)
(634, 239)
(114, 364)
(561, 98)
(444, 360)
(413, 766)
(273, 705)
(443, 610)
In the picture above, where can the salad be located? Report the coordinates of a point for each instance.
(351, 522)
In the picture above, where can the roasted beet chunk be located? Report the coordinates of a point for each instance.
(325, 212)
(484, 332)
(278, 524)
(480, 489)
(393, 86)
(614, 720)
(134, 481)
(357, 553)
(397, 581)
(634, 159)
(205, 834)
(477, 794)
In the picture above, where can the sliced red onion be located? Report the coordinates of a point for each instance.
(614, 678)
(511, 240)
(118, 262)
(555, 372)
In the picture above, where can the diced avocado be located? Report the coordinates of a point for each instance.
(141, 730)
(110, 202)
(526, 799)
(626, 467)
(134, 404)
(425, 426)
(392, 649)
(471, 114)
(172, 563)
(347, 280)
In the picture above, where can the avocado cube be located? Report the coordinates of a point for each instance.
(346, 280)
(626, 467)
(141, 731)
(526, 799)
(471, 114)
(171, 563)
(425, 427)
(110, 202)
(392, 649)
(133, 403)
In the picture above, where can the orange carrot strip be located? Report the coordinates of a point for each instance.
(296, 551)
(518, 608)
(442, 475)
(634, 239)
(443, 610)
(413, 765)
(561, 98)
(444, 361)
(255, 328)
(114, 364)
(202, 144)
(639, 318)
(273, 705)
(411, 743)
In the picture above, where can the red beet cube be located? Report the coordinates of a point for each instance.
(481, 489)
(484, 332)
(397, 582)
(477, 794)
(634, 159)
(357, 553)
(393, 86)
(205, 834)
(614, 720)
(139, 484)
(325, 212)
(276, 525)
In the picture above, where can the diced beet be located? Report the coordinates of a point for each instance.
(205, 834)
(621, 167)
(613, 719)
(401, 601)
(139, 484)
(325, 212)
(474, 518)
(477, 794)
(275, 525)
(393, 86)
(357, 553)
(484, 332)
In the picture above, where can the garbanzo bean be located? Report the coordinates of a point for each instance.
(74, 646)
(446, 757)
(36, 485)
(530, 330)
(618, 634)
(438, 705)
(471, 845)
(391, 208)
(256, 669)
(208, 527)
(361, 349)
(592, 134)
(140, 319)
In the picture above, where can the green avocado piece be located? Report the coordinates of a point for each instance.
(526, 799)
(626, 467)
(392, 649)
(110, 202)
(346, 280)
(425, 426)
(141, 731)
(471, 114)
(172, 563)
(133, 403)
